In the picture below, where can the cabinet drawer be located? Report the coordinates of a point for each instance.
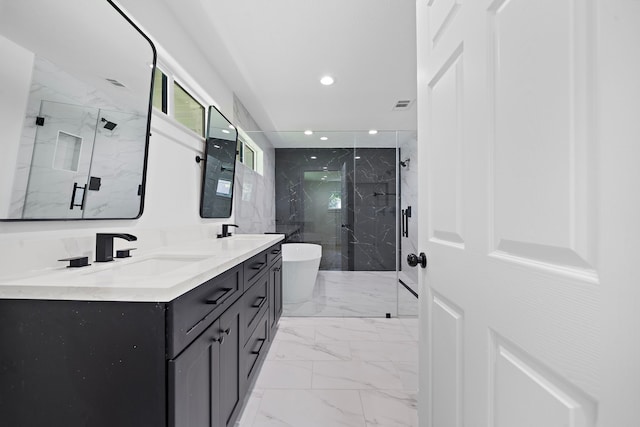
(255, 350)
(274, 252)
(254, 266)
(254, 302)
(190, 314)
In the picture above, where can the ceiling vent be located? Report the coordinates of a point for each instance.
(402, 105)
(115, 82)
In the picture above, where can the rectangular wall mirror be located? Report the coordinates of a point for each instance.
(75, 110)
(219, 168)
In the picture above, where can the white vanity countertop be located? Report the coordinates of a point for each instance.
(160, 275)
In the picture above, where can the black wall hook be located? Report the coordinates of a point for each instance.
(199, 159)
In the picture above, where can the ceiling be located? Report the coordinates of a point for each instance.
(273, 53)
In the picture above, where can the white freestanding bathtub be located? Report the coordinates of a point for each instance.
(300, 262)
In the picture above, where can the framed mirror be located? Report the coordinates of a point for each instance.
(75, 84)
(216, 199)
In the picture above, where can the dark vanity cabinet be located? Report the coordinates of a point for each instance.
(186, 363)
(275, 295)
(258, 301)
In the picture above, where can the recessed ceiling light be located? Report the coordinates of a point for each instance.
(225, 131)
(327, 80)
(313, 157)
(324, 176)
(323, 138)
(325, 167)
(308, 132)
(373, 132)
(356, 157)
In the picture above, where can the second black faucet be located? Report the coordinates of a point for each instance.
(104, 244)
(225, 230)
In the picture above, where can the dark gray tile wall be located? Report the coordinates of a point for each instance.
(362, 235)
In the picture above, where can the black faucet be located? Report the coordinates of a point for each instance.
(104, 244)
(225, 230)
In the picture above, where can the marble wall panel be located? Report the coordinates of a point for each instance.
(408, 152)
(254, 199)
(117, 158)
(367, 236)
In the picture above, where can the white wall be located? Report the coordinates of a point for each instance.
(160, 25)
(171, 212)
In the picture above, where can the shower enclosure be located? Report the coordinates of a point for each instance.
(82, 162)
(343, 194)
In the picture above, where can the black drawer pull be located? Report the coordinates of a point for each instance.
(227, 331)
(258, 265)
(220, 339)
(275, 251)
(259, 302)
(221, 296)
(259, 348)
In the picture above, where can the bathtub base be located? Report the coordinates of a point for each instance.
(300, 264)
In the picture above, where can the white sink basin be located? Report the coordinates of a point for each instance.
(149, 267)
(142, 272)
(221, 246)
(246, 237)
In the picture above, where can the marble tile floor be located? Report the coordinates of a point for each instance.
(356, 294)
(326, 372)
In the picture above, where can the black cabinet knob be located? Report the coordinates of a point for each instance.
(413, 260)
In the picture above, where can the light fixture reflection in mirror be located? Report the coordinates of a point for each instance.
(75, 118)
(220, 160)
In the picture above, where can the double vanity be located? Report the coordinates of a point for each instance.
(173, 337)
(167, 338)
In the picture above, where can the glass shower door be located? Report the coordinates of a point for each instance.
(408, 241)
(61, 160)
(323, 215)
(374, 224)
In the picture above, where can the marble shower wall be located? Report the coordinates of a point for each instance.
(408, 149)
(367, 242)
(118, 156)
(254, 194)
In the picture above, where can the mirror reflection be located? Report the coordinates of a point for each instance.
(75, 117)
(220, 162)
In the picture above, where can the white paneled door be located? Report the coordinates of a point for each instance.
(529, 138)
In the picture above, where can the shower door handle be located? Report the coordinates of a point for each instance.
(73, 203)
(406, 214)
